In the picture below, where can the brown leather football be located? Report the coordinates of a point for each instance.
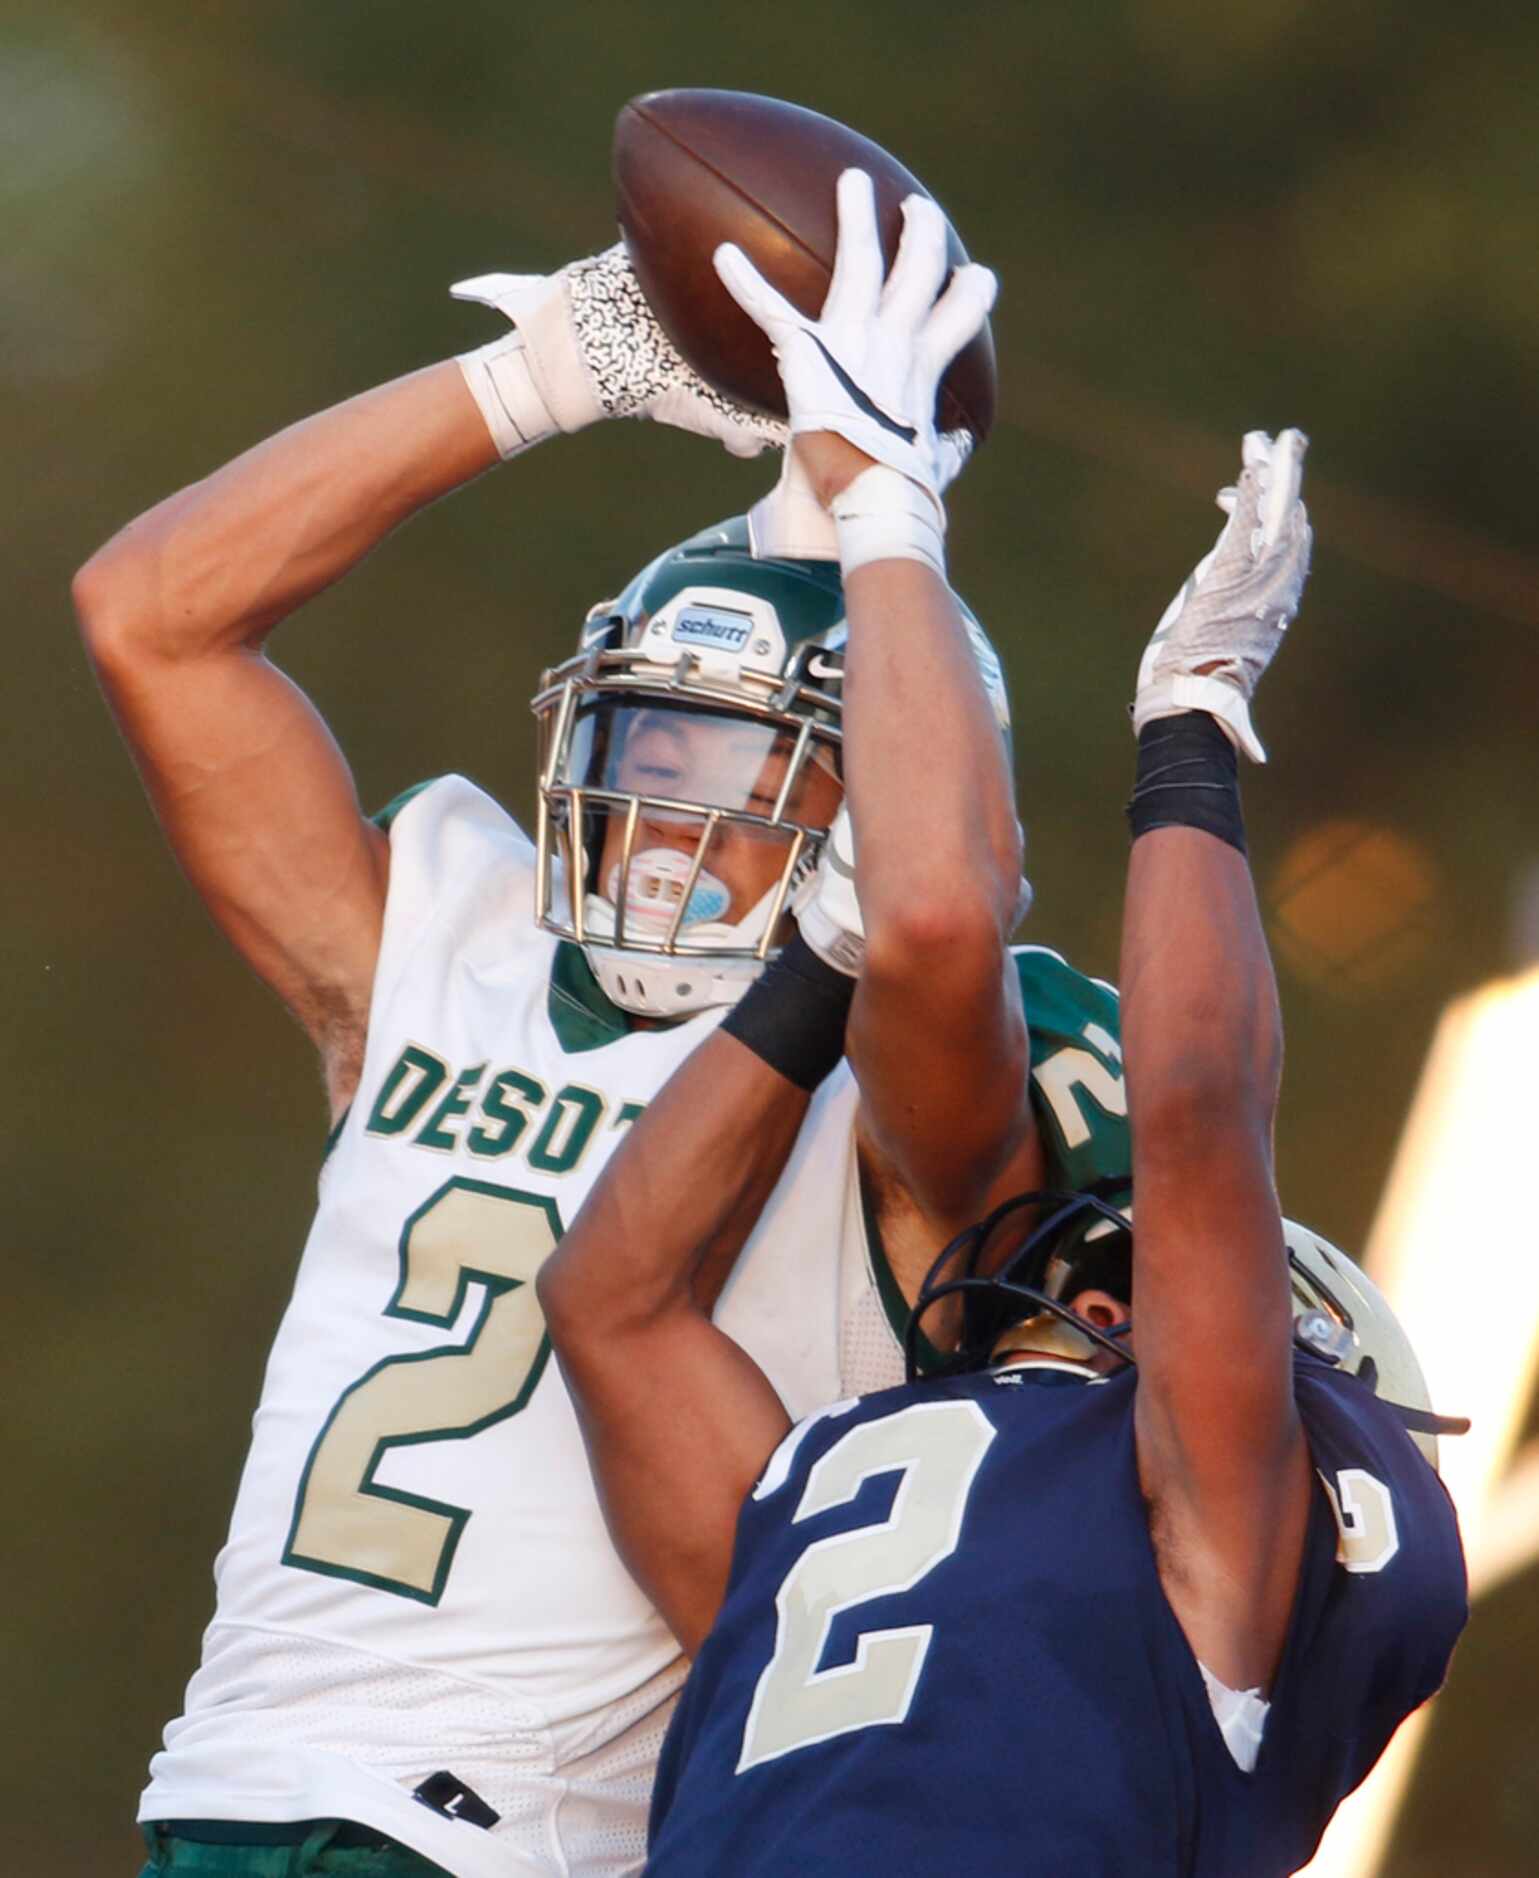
(695, 168)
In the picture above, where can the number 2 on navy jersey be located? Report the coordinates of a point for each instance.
(938, 1448)
(347, 1525)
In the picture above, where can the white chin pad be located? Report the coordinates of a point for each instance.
(654, 887)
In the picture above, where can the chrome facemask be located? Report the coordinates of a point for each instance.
(656, 756)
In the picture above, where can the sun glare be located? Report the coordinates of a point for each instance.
(1458, 1257)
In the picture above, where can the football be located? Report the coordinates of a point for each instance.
(694, 168)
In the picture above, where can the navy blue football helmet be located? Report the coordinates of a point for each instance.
(1073, 1242)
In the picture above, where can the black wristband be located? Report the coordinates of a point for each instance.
(1188, 777)
(793, 1015)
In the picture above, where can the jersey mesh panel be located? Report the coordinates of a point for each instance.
(586, 1785)
(602, 1818)
(344, 1702)
(870, 1357)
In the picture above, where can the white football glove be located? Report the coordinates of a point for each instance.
(588, 346)
(1223, 628)
(870, 365)
(827, 912)
(790, 523)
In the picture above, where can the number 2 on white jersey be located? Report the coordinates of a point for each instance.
(938, 1447)
(346, 1525)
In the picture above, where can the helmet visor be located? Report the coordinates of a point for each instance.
(680, 820)
(693, 759)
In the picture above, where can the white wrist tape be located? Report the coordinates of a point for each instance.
(499, 379)
(886, 516)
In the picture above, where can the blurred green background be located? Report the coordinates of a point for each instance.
(1205, 217)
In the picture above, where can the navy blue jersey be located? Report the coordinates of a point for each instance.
(945, 1641)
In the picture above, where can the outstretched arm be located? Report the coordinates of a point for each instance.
(1221, 1452)
(255, 797)
(936, 1039)
(679, 1420)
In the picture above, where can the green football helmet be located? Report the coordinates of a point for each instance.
(695, 710)
(701, 712)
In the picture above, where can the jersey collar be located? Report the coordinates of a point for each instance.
(580, 1014)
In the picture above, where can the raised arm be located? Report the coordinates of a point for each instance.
(679, 1419)
(936, 1038)
(1221, 1451)
(255, 796)
(252, 791)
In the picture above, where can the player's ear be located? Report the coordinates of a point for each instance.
(1099, 1309)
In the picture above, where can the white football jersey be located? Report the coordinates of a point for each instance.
(417, 1575)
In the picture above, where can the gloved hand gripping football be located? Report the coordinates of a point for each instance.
(588, 346)
(869, 366)
(1223, 628)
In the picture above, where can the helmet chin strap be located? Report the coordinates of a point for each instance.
(654, 985)
(679, 984)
